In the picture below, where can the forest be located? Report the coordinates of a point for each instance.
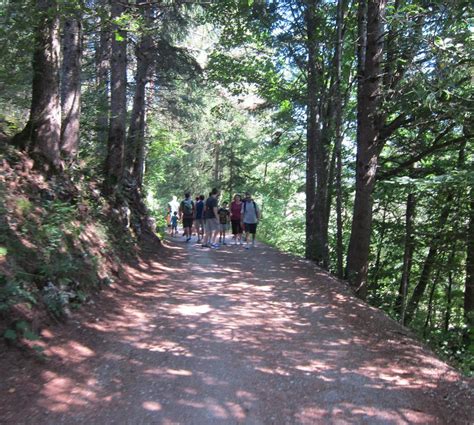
(350, 122)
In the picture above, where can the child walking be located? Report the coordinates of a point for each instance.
(174, 224)
(224, 217)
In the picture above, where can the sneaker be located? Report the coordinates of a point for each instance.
(188, 239)
(215, 245)
(205, 245)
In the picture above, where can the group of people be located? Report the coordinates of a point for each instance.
(211, 221)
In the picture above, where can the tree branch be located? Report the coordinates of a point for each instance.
(419, 157)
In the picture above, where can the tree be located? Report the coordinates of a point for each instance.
(71, 83)
(102, 53)
(118, 100)
(369, 142)
(41, 135)
(134, 152)
(469, 282)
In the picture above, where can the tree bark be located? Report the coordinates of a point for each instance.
(217, 152)
(449, 289)
(375, 278)
(41, 135)
(71, 86)
(102, 59)
(400, 302)
(313, 132)
(429, 261)
(341, 7)
(434, 248)
(430, 303)
(118, 101)
(136, 130)
(469, 282)
(369, 144)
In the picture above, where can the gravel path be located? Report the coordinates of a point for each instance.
(231, 337)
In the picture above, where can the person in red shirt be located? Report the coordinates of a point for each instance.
(235, 219)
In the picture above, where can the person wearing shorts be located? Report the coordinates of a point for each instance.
(211, 219)
(187, 211)
(235, 219)
(250, 216)
(199, 221)
(174, 224)
(224, 214)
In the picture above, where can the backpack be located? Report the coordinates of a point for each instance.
(188, 207)
(254, 206)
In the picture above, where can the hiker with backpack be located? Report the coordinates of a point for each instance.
(199, 220)
(250, 215)
(211, 219)
(187, 212)
(224, 219)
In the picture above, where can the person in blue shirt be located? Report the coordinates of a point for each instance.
(174, 224)
(199, 222)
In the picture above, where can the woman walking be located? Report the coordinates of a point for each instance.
(235, 219)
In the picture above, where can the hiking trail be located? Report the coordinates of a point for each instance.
(230, 336)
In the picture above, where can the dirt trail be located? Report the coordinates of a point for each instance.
(231, 337)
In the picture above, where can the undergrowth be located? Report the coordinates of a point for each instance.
(58, 245)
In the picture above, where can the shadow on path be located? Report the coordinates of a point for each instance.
(233, 337)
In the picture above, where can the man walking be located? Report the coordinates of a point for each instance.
(211, 219)
(186, 211)
(250, 215)
(199, 222)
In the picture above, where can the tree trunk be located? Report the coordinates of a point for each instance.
(41, 135)
(313, 132)
(449, 289)
(71, 86)
(369, 145)
(434, 248)
(216, 163)
(118, 101)
(430, 303)
(400, 302)
(321, 219)
(102, 59)
(136, 131)
(139, 164)
(341, 7)
(469, 283)
(429, 261)
(375, 279)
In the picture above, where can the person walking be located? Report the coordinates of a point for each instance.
(199, 221)
(250, 214)
(211, 219)
(174, 224)
(224, 215)
(235, 219)
(187, 212)
(173, 206)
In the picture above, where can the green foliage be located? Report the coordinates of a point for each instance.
(13, 292)
(21, 329)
